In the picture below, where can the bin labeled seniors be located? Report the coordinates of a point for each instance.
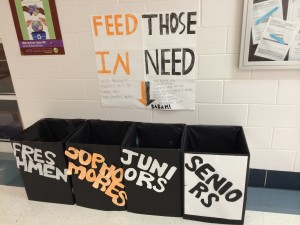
(216, 168)
(151, 155)
(39, 152)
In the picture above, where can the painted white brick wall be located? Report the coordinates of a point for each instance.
(211, 40)
(260, 92)
(266, 103)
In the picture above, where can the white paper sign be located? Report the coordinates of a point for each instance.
(146, 60)
(261, 13)
(277, 39)
(214, 185)
(172, 94)
(294, 52)
(154, 94)
(294, 15)
(120, 92)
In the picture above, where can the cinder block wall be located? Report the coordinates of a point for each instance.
(266, 103)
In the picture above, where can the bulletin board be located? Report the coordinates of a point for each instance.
(270, 34)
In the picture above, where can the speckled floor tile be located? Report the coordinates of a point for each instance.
(253, 218)
(162, 220)
(16, 209)
(264, 207)
(280, 219)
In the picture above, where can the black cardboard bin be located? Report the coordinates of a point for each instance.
(94, 153)
(39, 152)
(151, 157)
(216, 168)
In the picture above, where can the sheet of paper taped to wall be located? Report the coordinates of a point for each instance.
(261, 13)
(146, 60)
(277, 39)
(294, 16)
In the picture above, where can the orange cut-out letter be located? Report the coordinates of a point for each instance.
(120, 173)
(88, 157)
(103, 181)
(104, 70)
(123, 197)
(125, 67)
(77, 170)
(91, 175)
(96, 24)
(107, 171)
(112, 191)
(71, 155)
(97, 158)
(135, 22)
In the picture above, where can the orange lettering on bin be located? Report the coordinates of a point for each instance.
(84, 160)
(113, 188)
(71, 155)
(91, 175)
(96, 158)
(103, 181)
(107, 178)
(77, 170)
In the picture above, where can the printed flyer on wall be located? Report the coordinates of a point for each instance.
(37, 27)
(277, 39)
(294, 15)
(261, 12)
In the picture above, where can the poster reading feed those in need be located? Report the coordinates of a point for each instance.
(37, 27)
(275, 30)
(146, 60)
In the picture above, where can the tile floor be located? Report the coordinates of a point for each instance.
(264, 207)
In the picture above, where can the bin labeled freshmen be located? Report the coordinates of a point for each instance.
(216, 168)
(94, 153)
(39, 152)
(151, 157)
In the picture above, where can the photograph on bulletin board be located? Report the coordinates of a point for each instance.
(37, 27)
(270, 34)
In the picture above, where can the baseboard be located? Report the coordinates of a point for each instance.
(274, 179)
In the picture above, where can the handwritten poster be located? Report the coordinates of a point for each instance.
(37, 27)
(146, 60)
